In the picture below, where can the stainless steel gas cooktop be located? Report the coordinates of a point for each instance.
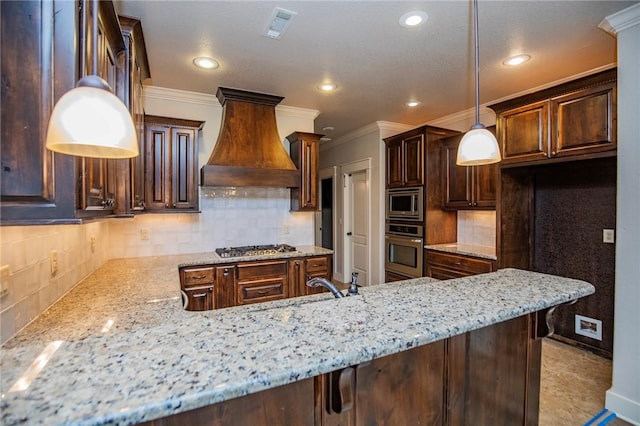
(254, 250)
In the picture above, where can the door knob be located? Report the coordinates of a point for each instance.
(349, 233)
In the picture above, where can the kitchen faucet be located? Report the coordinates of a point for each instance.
(319, 281)
(353, 286)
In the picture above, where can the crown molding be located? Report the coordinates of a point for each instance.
(165, 94)
(374, 127)
(622, 20)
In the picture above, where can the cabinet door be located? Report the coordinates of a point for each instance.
(225, 286)
(158, 165)
(413, 160)
(38, 42)
(484, 185)
(392, 276)
(525, 133)
(394, 163)
(457, 179)
(317, 267)
(584, 121)
(200, 298)
(297, 278)
(184, 158)
(304, 152)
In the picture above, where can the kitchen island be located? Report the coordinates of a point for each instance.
(123, 351)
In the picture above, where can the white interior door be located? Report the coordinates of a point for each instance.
(357, 229)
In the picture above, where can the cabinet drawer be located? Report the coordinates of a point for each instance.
(458, 263)
(261, 291)
(261, 269)
(318, 264)
(197, 276)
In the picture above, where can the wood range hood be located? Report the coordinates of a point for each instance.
(249, 151)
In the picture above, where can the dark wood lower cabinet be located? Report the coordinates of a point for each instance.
(485, 377)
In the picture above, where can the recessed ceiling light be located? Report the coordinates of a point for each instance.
(206, 63)
(516, 60)
(413, 19)
(327, 87)
(328, 128)
(413, 104)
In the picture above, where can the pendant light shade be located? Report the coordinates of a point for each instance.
(478, 146)
(89, 120)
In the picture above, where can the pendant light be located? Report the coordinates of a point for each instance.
(478, 146)
(89, 120)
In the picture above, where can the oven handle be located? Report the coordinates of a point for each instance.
(403, 239)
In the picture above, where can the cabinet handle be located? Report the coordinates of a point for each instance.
(199, 277)
(342, 389)
(199, 295)
(185, 299)
(226, 272)
(166, 205)
(297, 264)
(262, 292)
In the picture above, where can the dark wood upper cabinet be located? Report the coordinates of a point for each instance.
(405, 159)
(575, 119)
(171, 162)
(304, 151)
(46, 49)
(134, 69)
(467, 188)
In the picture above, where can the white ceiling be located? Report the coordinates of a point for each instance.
(377, 64)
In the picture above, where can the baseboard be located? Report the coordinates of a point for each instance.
(625, 409)
(597, 351)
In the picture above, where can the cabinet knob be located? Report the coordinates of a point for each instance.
(225, 272)
(174, 204)
(166, 205)
(553, 153)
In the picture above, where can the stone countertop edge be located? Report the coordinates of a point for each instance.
(158, 360)
(465, 249)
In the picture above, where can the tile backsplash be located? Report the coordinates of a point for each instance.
(229, 217)
(477, 227)
(32, 285)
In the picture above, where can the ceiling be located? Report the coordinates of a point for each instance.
(377, 64)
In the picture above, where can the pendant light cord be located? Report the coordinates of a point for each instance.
(477, 61)
(94, 37)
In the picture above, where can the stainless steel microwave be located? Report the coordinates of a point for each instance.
(405, 204)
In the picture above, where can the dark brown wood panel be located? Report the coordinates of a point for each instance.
(157, 151)
(197, 276)
(525, 133)
(225, 286)
(392, 276)
(413, 162)
(515, 219)
(457, 184)
(394, 163)
(291, 404)
(35, 183)
(261, 269)
(304, 149)
(402, 389)
(184, 169)
(297, 278)
(585, 121)
(485, 185)
(262, 290)
(200, 298)
(465, 265)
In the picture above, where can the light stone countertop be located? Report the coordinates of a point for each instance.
(214, 259)
(128, 352)
(465, 249)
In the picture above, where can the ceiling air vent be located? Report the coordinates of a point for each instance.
(279, 22)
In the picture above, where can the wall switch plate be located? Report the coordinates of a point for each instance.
(92, 242)
(53, 260)
(5, 276)
(144, 234)
(608, 236)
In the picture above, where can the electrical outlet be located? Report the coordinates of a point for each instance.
(53, 259)
(92, 242)
(5, 276)
(144, 234)
(608, 236)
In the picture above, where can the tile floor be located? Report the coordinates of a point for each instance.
(573, 385)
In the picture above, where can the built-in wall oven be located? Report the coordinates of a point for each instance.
(404, 248)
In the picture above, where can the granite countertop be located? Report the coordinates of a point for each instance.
(465, 249)
(127, 352)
